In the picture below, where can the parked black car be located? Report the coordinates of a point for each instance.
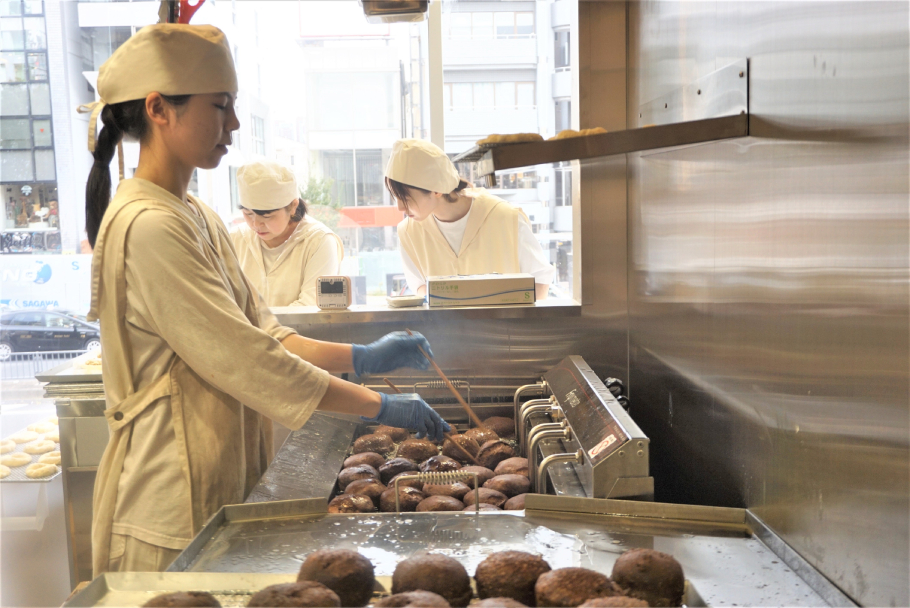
(42, 330)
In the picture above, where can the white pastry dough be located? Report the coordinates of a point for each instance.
(568, 133)
(4, 471)
(53, 436)
(16, 459)
(39, 470)
(50, 458)
(40, 447)
(24, 436)
(7, 446)
(54, 420)
(41, 427)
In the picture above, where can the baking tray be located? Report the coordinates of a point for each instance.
(70, 371)
(136, 588)
(721, 556)
(17, 474)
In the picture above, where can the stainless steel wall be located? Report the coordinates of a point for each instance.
(768, 280)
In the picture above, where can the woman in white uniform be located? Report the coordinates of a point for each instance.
(194, 365)
(282, 250)
(451, 229)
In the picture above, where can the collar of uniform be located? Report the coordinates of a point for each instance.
(483, 205)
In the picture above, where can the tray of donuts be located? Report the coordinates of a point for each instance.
(341, 577)
(31, 454)
(367, 480)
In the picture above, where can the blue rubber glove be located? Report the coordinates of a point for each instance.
(390, 352)
(409, 411)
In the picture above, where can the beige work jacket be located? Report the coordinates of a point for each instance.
(186, 342)
(490, 242)
(291, 281)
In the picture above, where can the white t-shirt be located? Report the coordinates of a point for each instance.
(530, 254)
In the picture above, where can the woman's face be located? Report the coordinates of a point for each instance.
(420, 205)
(274, 227)
(201, 132)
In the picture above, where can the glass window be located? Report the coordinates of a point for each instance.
(447, 95)
(258, 134)
(484, 96)
(35, 36)
(34, 7)
(12, 67)
(462, 96)
(482, 26)
(13, 99)
(369, 177)
(17, 166)
(563, 114)
(41, 98)
(44, 165)
(41, 131)
(505, 24)
(524, 24)
(505, 95)
(106, 40)
(14, 134)
(460, 25)
(10, 8)
(12, 38)
(57, 321)
(32, 319)
(37, 66)
(526, 94)
(562, 52)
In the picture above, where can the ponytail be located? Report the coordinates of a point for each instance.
(126, 119)
(98, 187)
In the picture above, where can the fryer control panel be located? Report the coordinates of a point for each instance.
(590, 408)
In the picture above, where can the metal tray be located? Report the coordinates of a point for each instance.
(136, 588)
(68, 372)
(721, 555)
(17, 474)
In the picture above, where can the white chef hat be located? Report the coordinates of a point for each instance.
(419, 163)
(168, 58)
(266, 186)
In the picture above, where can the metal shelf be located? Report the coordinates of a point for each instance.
(713, 108)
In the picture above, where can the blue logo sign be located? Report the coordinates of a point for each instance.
(44, 275)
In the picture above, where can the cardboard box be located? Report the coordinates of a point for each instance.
(480, 290)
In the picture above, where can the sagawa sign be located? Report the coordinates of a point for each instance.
(51, 281)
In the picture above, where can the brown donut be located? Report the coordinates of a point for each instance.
(396, 466)
(352, 503)
(650, 575)
(616, 601)
(516, 503)
(512, 466)
(493, 452)
(417, 450)
(305, 593)
(566, 587)
(491, 497)
(498, 602)
(440, 503)
(411, 483)
(361, 471)
(504, 427)
(483, 507)
(346, 572)
(432, 572)
(511, 574)
(371, 458)
(439, 463)
(481, 435)
(373, 443)
(408, 499)
(450, 450)
(398, 435)
(510, 485)
(483, 475)
(181, 599)
(412, 599)
(455, 489)
(367, 487)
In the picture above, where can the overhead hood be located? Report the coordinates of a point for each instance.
(394, 11)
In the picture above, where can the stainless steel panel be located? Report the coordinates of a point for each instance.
(90, 438)
(768, 280)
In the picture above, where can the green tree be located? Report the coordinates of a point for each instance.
(320, 203)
